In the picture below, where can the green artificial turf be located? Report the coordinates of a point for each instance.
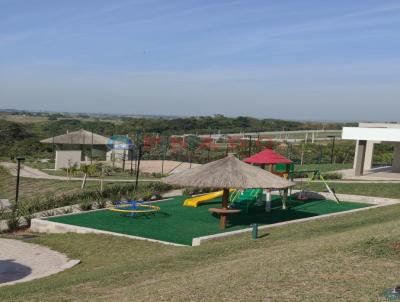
(179, 224)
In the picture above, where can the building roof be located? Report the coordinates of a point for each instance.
(267, 157)
(388, 134)
(228, 172)
(80, 137)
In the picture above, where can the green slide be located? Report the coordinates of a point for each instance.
(247, 199)
(234, 196)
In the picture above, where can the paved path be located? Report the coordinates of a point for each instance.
(375, 174)
(21, 261)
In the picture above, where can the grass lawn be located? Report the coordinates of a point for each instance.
(388, 190)
(324, 167)
(31, 188)
(350, 258)
(179, 224)
(48, 168)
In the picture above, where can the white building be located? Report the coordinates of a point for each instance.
(369, 134)
(74, 147)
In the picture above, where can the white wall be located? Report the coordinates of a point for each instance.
(65, 159)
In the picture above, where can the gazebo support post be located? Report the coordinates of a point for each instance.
(225, 199)
(284, 198)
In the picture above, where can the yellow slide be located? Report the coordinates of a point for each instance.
(195, 201)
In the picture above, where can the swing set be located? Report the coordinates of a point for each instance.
(304, 193)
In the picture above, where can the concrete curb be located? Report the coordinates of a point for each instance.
(378, 201)
(51, 227)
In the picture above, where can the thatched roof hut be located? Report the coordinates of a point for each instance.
(80, 137)
(228, 172)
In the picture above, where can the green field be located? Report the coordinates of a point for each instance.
(179, 224)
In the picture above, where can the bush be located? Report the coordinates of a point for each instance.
(27, 213)
(67, 210)
(300, 175)
(2, 212)
(86, 205)
(157, 175)
(191, 191)
(101, 203)
(14, 222)
(114, 193)
(194, 191)
(49, 213)
(332, 175)
(146, 195)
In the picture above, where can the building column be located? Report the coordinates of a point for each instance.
(396, 158)
(369, 153)
(359, 157)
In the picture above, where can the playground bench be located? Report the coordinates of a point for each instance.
(223, 213)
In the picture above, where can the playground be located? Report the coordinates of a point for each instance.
(180, 224)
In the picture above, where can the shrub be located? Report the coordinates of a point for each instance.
(114, 193)
(67, 210)
(27, 212)
(157, 175)
(157, 196)
(49, 213)
(332, 175)
(2, 211)
(101, 203)
(191, 191)
(86, 205)
(146, 195)
(14, 222)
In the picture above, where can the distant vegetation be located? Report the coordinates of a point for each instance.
(20, 133)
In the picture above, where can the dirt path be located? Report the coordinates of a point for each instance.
(21, 261)
(30, 172)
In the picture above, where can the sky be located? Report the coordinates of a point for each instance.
(308, 59)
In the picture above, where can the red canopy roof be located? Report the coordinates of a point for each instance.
(268, 157)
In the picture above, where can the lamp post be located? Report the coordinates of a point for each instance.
(333, 146)
(138, 166)
(131, 157)
(19, 159)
